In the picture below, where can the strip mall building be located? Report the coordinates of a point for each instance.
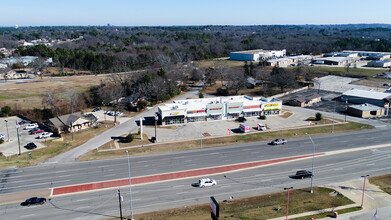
(219, 108)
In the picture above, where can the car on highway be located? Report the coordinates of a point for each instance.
(34, 201)
(206, 182)
(301, 174)
(31, 126)
(279, 141)
(45, 135)
(30, 146)
(37, 131)
(2, 136)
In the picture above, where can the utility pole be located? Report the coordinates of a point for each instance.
(130, 189)
(120, 201)
(313, 157)
(346, 109)
(201, 139)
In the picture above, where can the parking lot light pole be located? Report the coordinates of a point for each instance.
(156, 118)
(363, 190)
(17, 133)
(6, 125)
(313, 159)
(335, 102)
(130, 189)
(287, 202)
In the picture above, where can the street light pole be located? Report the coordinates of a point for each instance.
(287, 202)
(346, 109)
(363, 190)
(8, 136)
(313, 159)
(130, 189)
(201, 139)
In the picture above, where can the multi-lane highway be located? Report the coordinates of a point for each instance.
(102, 204)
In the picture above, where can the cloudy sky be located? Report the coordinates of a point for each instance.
(194, 12)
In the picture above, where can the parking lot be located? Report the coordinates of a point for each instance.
(11, 146)
(194, 130)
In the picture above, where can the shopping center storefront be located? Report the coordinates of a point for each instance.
(252, 111)
(170, 120)
(234, 110)
(272, 108)
(215, 111)
(196, 116)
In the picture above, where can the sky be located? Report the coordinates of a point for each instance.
(192, 12)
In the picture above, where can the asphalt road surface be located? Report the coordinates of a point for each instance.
(104, 204)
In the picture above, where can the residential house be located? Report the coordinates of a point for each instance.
(72, 122)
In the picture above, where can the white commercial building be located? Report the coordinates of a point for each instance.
(289, 60)
(379, 63)
(256, 55)
(219, 108)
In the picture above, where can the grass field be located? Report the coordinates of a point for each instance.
(54, 147)
(384, 182)
(221, 141)
(28, 93)
(257, 207)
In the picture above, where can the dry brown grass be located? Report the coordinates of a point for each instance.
(29, 94)
(257, 207)
(384, 182)
(286, 114)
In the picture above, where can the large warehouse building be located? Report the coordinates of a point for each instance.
(358, 96)
(219, 108)
(256, 55)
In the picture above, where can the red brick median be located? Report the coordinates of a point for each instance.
(169, 176)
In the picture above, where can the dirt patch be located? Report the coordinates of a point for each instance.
(286, 114)
(384, 182)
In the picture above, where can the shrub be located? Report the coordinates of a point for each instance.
(1, 141)
(318, 116)
(200, 95)
(129, 138)
(6, 110)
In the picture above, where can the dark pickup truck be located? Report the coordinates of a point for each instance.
(301, 174)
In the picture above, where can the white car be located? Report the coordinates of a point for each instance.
(206, 182)
(261, 127)
(119, 114)
(31, 126)
(45, 135)
(2, 136)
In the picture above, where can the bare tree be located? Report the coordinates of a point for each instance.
(72, 95)
(221, 67)
(236, 81)
(51, 99)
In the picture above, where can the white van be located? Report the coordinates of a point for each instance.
(261, 127)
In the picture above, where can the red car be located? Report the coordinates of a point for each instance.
(37, 131)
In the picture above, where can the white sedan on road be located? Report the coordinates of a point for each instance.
(206, 182)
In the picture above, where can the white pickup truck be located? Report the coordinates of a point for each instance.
(279, 141)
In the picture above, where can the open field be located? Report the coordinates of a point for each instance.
(54, 147)
(230, 63)
(384, 182)
(343, 71)
(221, 141)
(258, 207)
(28, 93)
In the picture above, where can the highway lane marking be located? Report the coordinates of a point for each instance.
(79, 200)
(369, 196)
(24, 216)
(83, 207)
(178, 193)
(113, 174)
(64, 175)
(188, 161)
(36, 184)
(181, 157)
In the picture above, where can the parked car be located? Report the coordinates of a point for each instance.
(279, 141)
(45, 135)
(241, 119)
(261, 127)
(2, 136)
(31, 126)
(303, 174)
(24, 122)
(387, 84)
(119, 113)
(30, 146)
(206, 182)
(34, 129)
(34, 201)
(96, 109)
(37, 131)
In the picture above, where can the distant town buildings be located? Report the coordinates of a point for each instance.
(256, 55)
(219, 108)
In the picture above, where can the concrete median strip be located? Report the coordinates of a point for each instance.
(57, 191)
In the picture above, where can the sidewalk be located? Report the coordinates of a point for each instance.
(374, 199)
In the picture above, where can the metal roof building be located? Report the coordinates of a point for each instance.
(357, 96)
